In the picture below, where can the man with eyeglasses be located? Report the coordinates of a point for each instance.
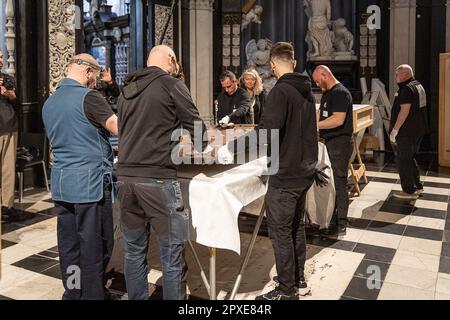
(78, 121)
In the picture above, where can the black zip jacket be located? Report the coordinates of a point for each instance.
(152, 106)
(290, 108)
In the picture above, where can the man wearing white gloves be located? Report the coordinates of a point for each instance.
(408, 126)
(233, 102)
(289, 119)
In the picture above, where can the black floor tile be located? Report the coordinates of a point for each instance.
(54, 272)
(444, 265)
(6, 244)
(359, 288)
(48, 212)
(53, 249)
(48, 200)
(446, 236)
(49, 254)
(429, 213)
(358, 223)
(423, 233)
(447, 225)
(36, 263)
(375, 253)
(365, 269)
(433, 197)
(445, 249)
(387, 227)
(405, 209)
(384, 180)
(34, 218)
(325, 242)
(436, 185)
(10, 227)
(5, 298)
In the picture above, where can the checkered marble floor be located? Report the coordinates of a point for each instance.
(392, 250)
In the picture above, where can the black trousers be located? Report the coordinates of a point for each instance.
(85, 244)
(340, 150)
(285, 221)
(407, 148)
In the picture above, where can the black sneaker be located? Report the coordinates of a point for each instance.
(302, 288)
(277, 294)
(12, 215)
(332, 230)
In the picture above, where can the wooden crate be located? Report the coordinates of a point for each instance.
(363, 117)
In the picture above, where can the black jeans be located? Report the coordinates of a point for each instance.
(407, 148)
(286, 224)
(85, 244)
(340, 150)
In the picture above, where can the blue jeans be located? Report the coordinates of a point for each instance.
(158, 204)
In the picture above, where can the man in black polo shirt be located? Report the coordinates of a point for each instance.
(233, 102)
(408, 126)
(336, 128)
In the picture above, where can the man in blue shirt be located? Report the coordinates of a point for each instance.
(78, 121)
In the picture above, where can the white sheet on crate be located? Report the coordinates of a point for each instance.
(217, 201)
(320, 201)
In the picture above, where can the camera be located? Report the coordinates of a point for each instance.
(8, 83)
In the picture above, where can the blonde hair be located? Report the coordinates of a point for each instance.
(258, 85)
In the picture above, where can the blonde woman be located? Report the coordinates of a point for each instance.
(252, 82)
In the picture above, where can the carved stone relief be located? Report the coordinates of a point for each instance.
(161, 15)
(61, 38)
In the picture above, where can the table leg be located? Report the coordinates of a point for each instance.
(248, 253)
(202, 271)
(212, 273)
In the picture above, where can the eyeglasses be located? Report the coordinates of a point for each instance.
(82, 62)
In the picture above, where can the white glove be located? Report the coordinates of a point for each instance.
(224, 156)
(393, 136)
(225, 120)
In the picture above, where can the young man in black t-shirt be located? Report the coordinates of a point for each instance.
(408, 126)
(336, 128)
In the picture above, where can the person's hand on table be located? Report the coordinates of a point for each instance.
(225, 120)
(224, 156)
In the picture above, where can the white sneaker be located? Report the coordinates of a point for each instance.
(406, 196)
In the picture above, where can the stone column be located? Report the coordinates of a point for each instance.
(402, 38)
(62, 17)
(10, 37)
(201, 56)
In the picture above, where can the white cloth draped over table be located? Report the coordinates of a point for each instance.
(216, 202)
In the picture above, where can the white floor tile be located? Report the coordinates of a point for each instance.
(443, 283)
(410, 277)
(392, 218)
(425, 222)
(416, 260)
(421, 245)
(380, 239)
(391, 291)
(436, 205)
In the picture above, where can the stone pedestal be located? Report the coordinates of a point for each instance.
(201, 56)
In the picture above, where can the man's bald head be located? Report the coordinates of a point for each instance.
(164, 58)
(84, 69)
(324, 78)
(403, 73)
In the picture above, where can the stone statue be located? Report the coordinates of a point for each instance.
(258, 57)
(342, 38)
(254, 15)
(319, 36)
(94, 7)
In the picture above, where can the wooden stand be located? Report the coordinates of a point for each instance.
(359, 173)
(363, 117)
